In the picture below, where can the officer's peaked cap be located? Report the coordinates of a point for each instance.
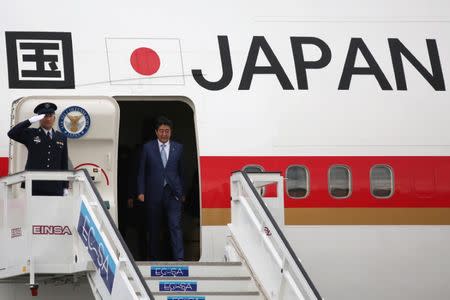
(45, 108)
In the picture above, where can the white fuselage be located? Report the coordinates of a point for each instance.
(339, 112)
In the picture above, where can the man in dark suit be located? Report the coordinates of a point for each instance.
(47, 148)
(160, 186)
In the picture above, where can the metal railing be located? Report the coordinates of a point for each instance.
(261, 240)
(90, 242)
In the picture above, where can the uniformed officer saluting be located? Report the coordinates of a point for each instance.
(47, 148)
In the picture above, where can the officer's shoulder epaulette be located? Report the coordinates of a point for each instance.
(58, 133)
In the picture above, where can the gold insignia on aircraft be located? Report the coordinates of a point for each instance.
(74, 122)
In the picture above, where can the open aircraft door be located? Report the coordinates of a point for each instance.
(91, 125)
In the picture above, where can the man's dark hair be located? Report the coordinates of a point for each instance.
(163, 121)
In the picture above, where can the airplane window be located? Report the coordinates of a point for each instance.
(381, 181)
(253, 169)
(339, 182)
(297, 182)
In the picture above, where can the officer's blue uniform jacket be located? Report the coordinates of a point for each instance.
(43, 154)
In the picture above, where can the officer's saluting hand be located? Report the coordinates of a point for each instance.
(37, 118)
(47, 148)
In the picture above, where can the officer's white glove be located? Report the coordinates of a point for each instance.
(36, 118)
(66, 192)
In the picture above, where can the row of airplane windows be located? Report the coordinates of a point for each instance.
(339, 181)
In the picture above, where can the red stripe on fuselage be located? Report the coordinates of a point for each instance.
(418, 181)
(3, 166)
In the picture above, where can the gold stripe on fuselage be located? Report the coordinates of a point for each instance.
(345, 216)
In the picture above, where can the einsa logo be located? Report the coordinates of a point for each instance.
(51, 230)
(400, 56)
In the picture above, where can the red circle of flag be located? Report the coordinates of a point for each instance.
(145, 61)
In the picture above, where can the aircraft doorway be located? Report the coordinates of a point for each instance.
(137, 118)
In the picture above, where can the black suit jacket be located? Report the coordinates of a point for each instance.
(152, 173)
(43, 154)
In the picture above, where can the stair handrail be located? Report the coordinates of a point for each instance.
(122, 246)
(291, 268)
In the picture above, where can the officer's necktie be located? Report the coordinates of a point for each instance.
(49, 135)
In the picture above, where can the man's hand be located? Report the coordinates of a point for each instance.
(34, 119)
(141, 197)
(183, 199)
(130, 202)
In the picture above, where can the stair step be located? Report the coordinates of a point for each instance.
(190, 263)
(202, 284)
(192, 269)
(209, 296)
(194, 278)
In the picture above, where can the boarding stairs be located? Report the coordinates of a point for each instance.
(74, 237)
(200, 280)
